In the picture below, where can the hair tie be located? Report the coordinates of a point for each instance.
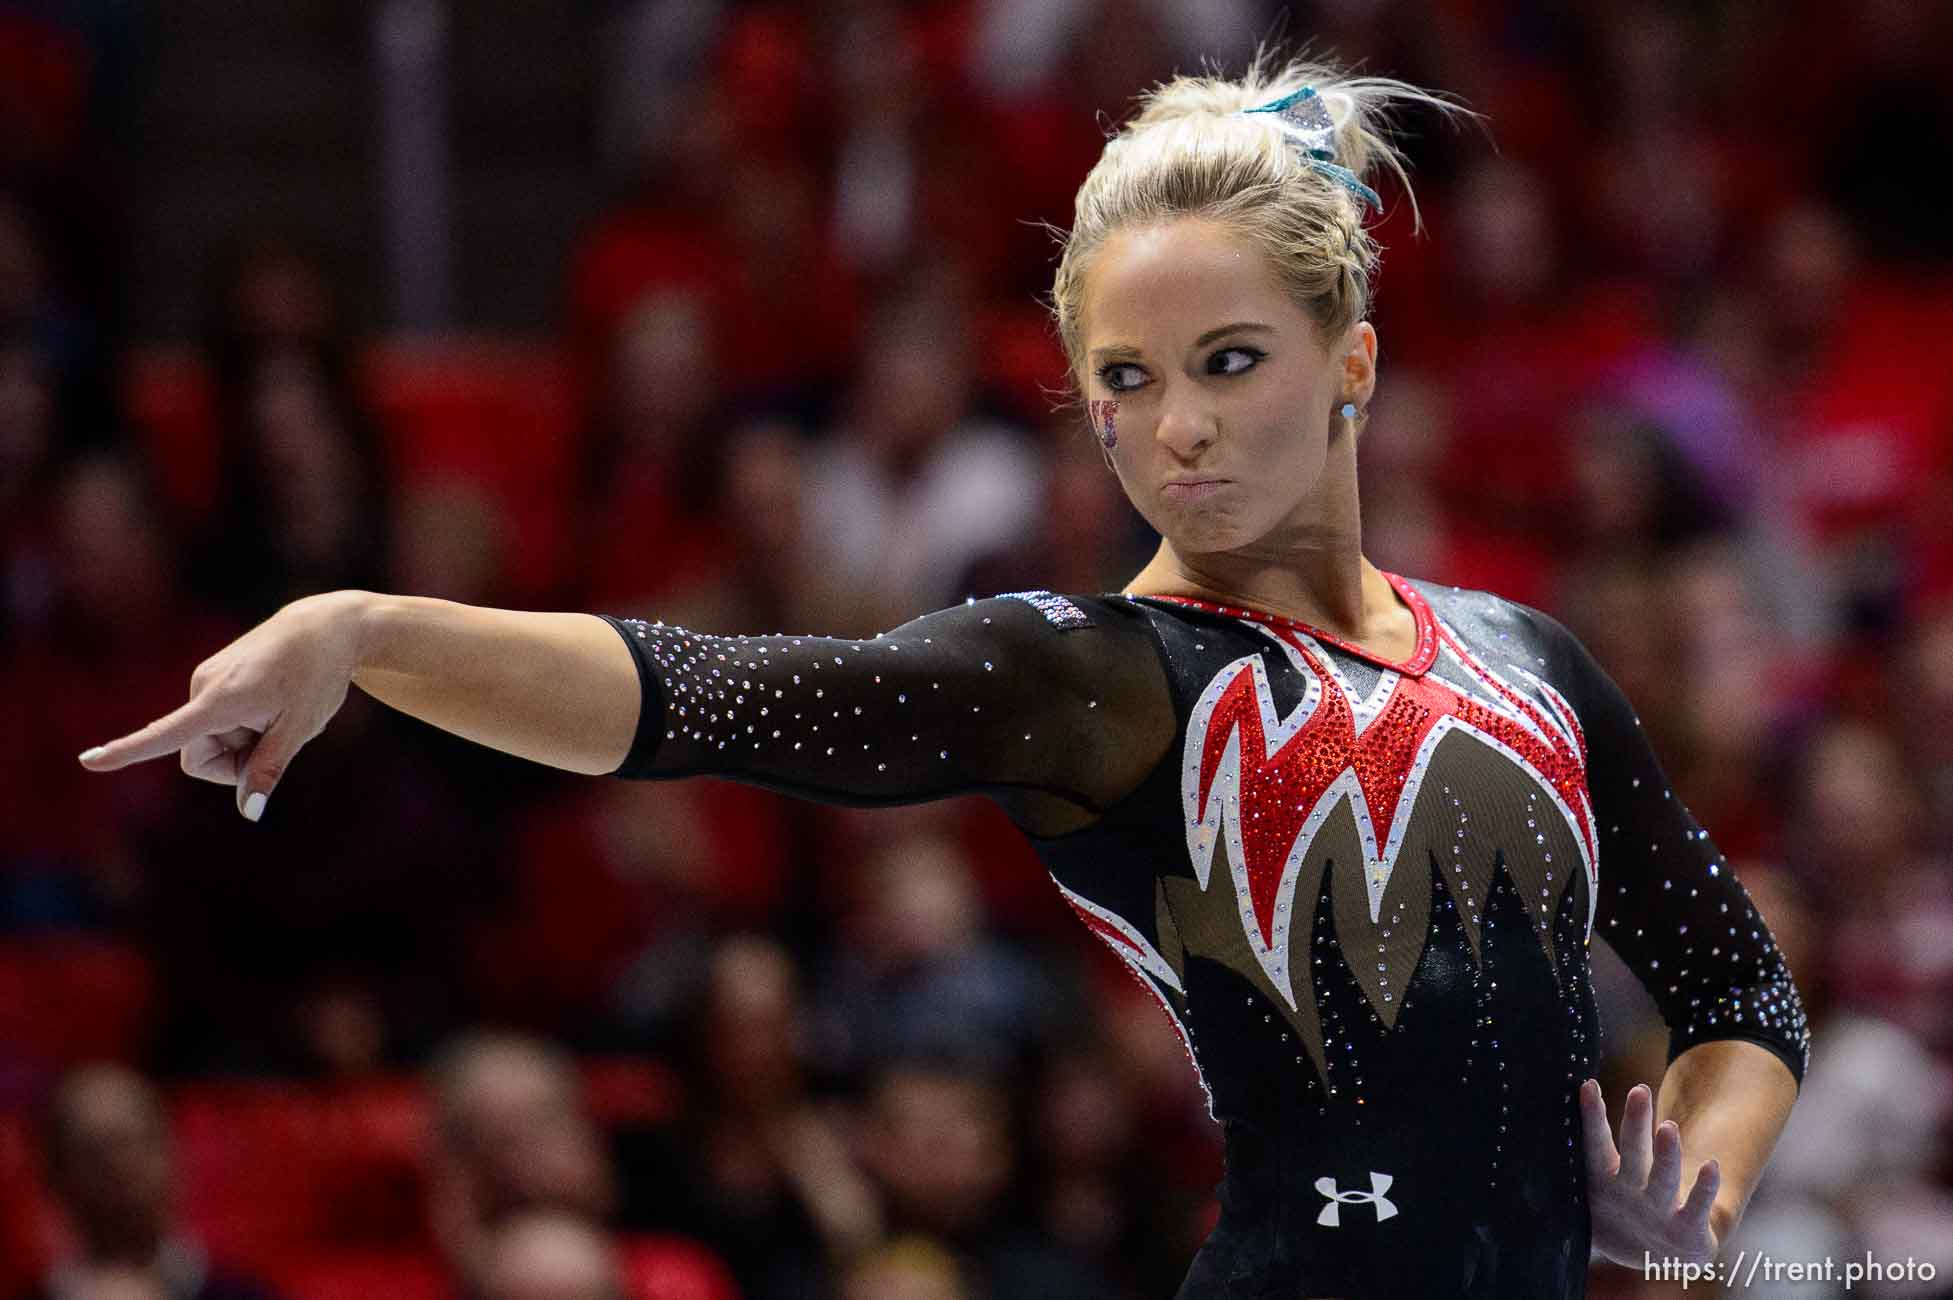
(1305, 120)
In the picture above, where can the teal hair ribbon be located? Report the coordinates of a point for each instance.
(1305, 119)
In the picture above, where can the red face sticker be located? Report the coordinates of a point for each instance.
(1104, 413)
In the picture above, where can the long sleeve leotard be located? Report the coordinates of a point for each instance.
(1364, 892)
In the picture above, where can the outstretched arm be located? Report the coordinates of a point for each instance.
(557, 688)
(1054, 710)
(1031, 697)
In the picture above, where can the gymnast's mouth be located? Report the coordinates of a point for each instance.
(1194, 489)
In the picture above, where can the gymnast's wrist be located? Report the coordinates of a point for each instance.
(1724, 1214)
(354, 615)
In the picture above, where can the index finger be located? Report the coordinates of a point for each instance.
(166, 735)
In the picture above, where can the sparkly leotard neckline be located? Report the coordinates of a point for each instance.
(1421, 658)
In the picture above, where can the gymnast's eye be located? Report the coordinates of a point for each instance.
(1245, 359)
(1121, 376)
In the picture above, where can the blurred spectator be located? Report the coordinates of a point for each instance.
(122, 1284)
(269, 287)
(915, 483)
(911, 167)
(512, 1134)
(916, 972)
(1082, 535)
(115, 607)
(1889, 892)
(1897, 93)
(1621, 610)
(1021, 46)
(788, 319)
(1922, 701)
(109, 1163)
(49, 258)
(1854, 1168)
(758, 1169)
(938, 1139)
(782, 302)
(1511, 293)
(302, 495)
(1736, 731)
(651, 468)
(549, 1256)
(1860, 411)
(1632, 487)
(1654, 198)
(622, 888)
(1097, 1194)
(29, 450)
(451, 540)
(758, 572)
(656, 53)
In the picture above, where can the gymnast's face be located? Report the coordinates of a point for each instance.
(1221, 391)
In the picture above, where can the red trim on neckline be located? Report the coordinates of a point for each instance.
(1420, 661)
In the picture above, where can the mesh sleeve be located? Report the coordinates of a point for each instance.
(1032, 691)
(1668, 902)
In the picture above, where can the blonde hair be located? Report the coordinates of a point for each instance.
(1191, 151)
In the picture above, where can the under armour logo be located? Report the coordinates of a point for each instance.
(1331, 1213)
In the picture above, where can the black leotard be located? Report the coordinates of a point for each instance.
(1363, 892)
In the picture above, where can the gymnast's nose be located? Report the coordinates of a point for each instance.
(1187, 426)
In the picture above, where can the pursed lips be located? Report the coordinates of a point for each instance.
(1192, 489)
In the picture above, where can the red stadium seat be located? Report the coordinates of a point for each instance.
(44, 79)
(503, 415)
(1023, 360)
(169, 396)
(275, 1170)
(372, 1138)
(673, 1268)
(250, 1162)
(367, 1275)
(631, 1092)
(71, 999)
(29, 1223)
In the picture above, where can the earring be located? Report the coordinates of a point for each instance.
(1349, 412)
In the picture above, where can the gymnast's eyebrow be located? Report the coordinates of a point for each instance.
(1219, 331)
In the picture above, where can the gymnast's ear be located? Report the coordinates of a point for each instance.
(1358, 371)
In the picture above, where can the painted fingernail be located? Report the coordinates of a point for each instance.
(90, 755)
(254, 806)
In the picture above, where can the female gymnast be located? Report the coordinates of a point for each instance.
(1355, 831)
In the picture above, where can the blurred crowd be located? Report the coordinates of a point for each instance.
(1668, 360)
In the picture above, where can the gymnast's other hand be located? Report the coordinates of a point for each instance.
(255, 702)
(1632, 1192)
